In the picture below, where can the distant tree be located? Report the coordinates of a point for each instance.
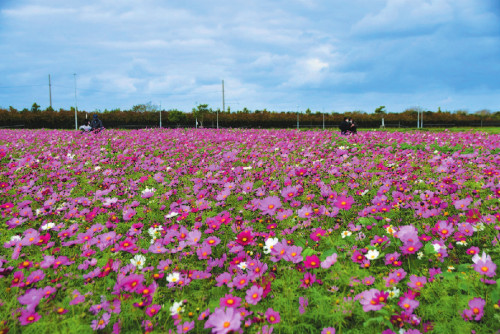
(49, 108)
(12, 109)
(145, 107)
(228, 110)
(380, 110)
(483, 112)
(35, 108)
(308, 111)
(176, 116)
(200, 112)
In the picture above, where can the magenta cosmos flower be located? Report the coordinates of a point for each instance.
(372, 300)
(28, 317)
(273, 316)
(224, 321)
(312, 261)
(344, 202)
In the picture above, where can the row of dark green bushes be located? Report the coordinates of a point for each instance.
(65, 119)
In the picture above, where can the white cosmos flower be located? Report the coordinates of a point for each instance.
(15, 238)
(138, 261)
(270, 244)
(176, 308)
(173, 277)
(346, 234)
(171, 215)
(242, 265)
(372, 254)
(394, 293)
(48, 226)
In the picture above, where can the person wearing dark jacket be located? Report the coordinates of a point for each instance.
(344, 126)
(96, 124)
(353, 127)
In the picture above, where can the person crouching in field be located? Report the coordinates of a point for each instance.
(86, 127)
(344, 126)
(353, 127)
(96, 124)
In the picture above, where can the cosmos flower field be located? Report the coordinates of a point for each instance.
(249, 231)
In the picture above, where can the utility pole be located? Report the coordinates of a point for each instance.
(76, 105)
(297, 117)
(50, 93)
(223, 102)
(223, 106)
(418, 119)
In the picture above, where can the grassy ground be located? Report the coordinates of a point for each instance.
(494, 130)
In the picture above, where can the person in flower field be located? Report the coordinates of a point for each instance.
(344, 126)
(96, 124)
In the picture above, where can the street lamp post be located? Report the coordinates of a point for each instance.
(76, 105)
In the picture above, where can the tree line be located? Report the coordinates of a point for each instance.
(147, 115)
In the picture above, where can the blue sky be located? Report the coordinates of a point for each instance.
(335, 55)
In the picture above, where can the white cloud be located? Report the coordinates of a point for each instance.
(29, 11)
(406, 16)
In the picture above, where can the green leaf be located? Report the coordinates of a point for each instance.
(376, 320)
(327, 253)
(307, 252)
(367, 220)
(429, 249)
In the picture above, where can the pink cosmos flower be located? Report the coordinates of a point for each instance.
(372, 300)
(240, 281)
(254, 295)
(28, 317)
(153, 310)
(344, 202)
(329, 261)
(293, 254)
(417, 282)
(185, 327)
(317, 233)
(303, 303)
(224, 321)
(230, 301)
(308, 280)
(77, 298)
(272, 316)
(244, 238)
(476, 310)
(270, 205)
(328, 330)
(368, 280)
(128, 214)
(484, 265)
(444, 229)
(100, 324)
(473, 251)
(409, 305)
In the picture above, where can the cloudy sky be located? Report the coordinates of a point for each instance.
(326, 55)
